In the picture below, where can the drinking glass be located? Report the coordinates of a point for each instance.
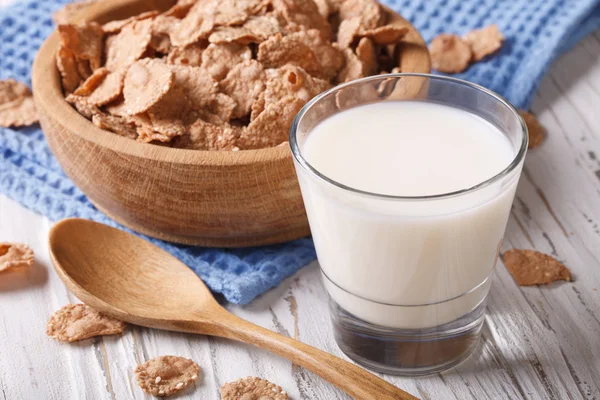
(408, 277)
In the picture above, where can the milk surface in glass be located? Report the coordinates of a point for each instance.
(432, 257)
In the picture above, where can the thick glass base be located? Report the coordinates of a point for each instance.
(407, 352)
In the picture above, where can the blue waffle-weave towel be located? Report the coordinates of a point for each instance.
(536, 32)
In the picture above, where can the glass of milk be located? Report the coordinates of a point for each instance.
(408, 181)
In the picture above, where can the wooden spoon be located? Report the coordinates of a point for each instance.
(130, 279)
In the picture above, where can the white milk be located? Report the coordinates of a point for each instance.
(392, 259)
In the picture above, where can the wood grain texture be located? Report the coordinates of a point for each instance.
(130, 279)
(224, 199)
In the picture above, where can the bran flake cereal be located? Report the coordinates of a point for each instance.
(218, 59)
(76, 322)
(84, 41)
(14, 255)
(166, 375)
(243, 84)
(535, 129)
(529, 267)
(484, 41)
(147, 81)
(16, 104)
(449, 53)
(252, 388)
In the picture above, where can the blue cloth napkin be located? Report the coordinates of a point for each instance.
(536, 32)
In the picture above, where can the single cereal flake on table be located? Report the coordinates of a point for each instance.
(449, 53)
(252, 388)
(535, 129)
(85, 40)
(146, 82)
(243, 84)
(16, 104)
(14, 255)
(529, 267)
(77, 322)
(484, 41)
(218, 59)
(166, 375)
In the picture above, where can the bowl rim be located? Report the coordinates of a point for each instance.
(48, 94)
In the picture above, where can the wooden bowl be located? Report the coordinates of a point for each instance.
(224, 199)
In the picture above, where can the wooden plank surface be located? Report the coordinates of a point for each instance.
(538, 342)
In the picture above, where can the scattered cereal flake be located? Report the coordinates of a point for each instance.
(67, 66)
(233, 34)
(484, 41)
(353, 67)
(243, 84)
(109, 90)
(293, 81)
(529, 267)
(369, 12)
(535, 129)
(84, 40)
(129, 45)
(280, 50)
(16, 114)
(388, 34)
(188, 55)
(82, 105)
(303, 13)
(223, 106)
(218, 59)
(15, 255)
(329, 56)
(166, 375)
(16, 104)
(67, 13)
(11, 90)
(366, 53)
(115, 124)
(197, 83)
(348, 31)
(92, 82)
(117, 25)
(146, 82)
(449, 53)
(77, 322)
(271, 127)
(252, 388)
(263, 26)
(258, 106)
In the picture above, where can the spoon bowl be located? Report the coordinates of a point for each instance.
(129, 278)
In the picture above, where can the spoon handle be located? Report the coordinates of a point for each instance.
(353, 380)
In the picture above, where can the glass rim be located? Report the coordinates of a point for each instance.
(519, 156)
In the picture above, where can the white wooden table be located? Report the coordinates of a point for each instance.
(538, 342)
